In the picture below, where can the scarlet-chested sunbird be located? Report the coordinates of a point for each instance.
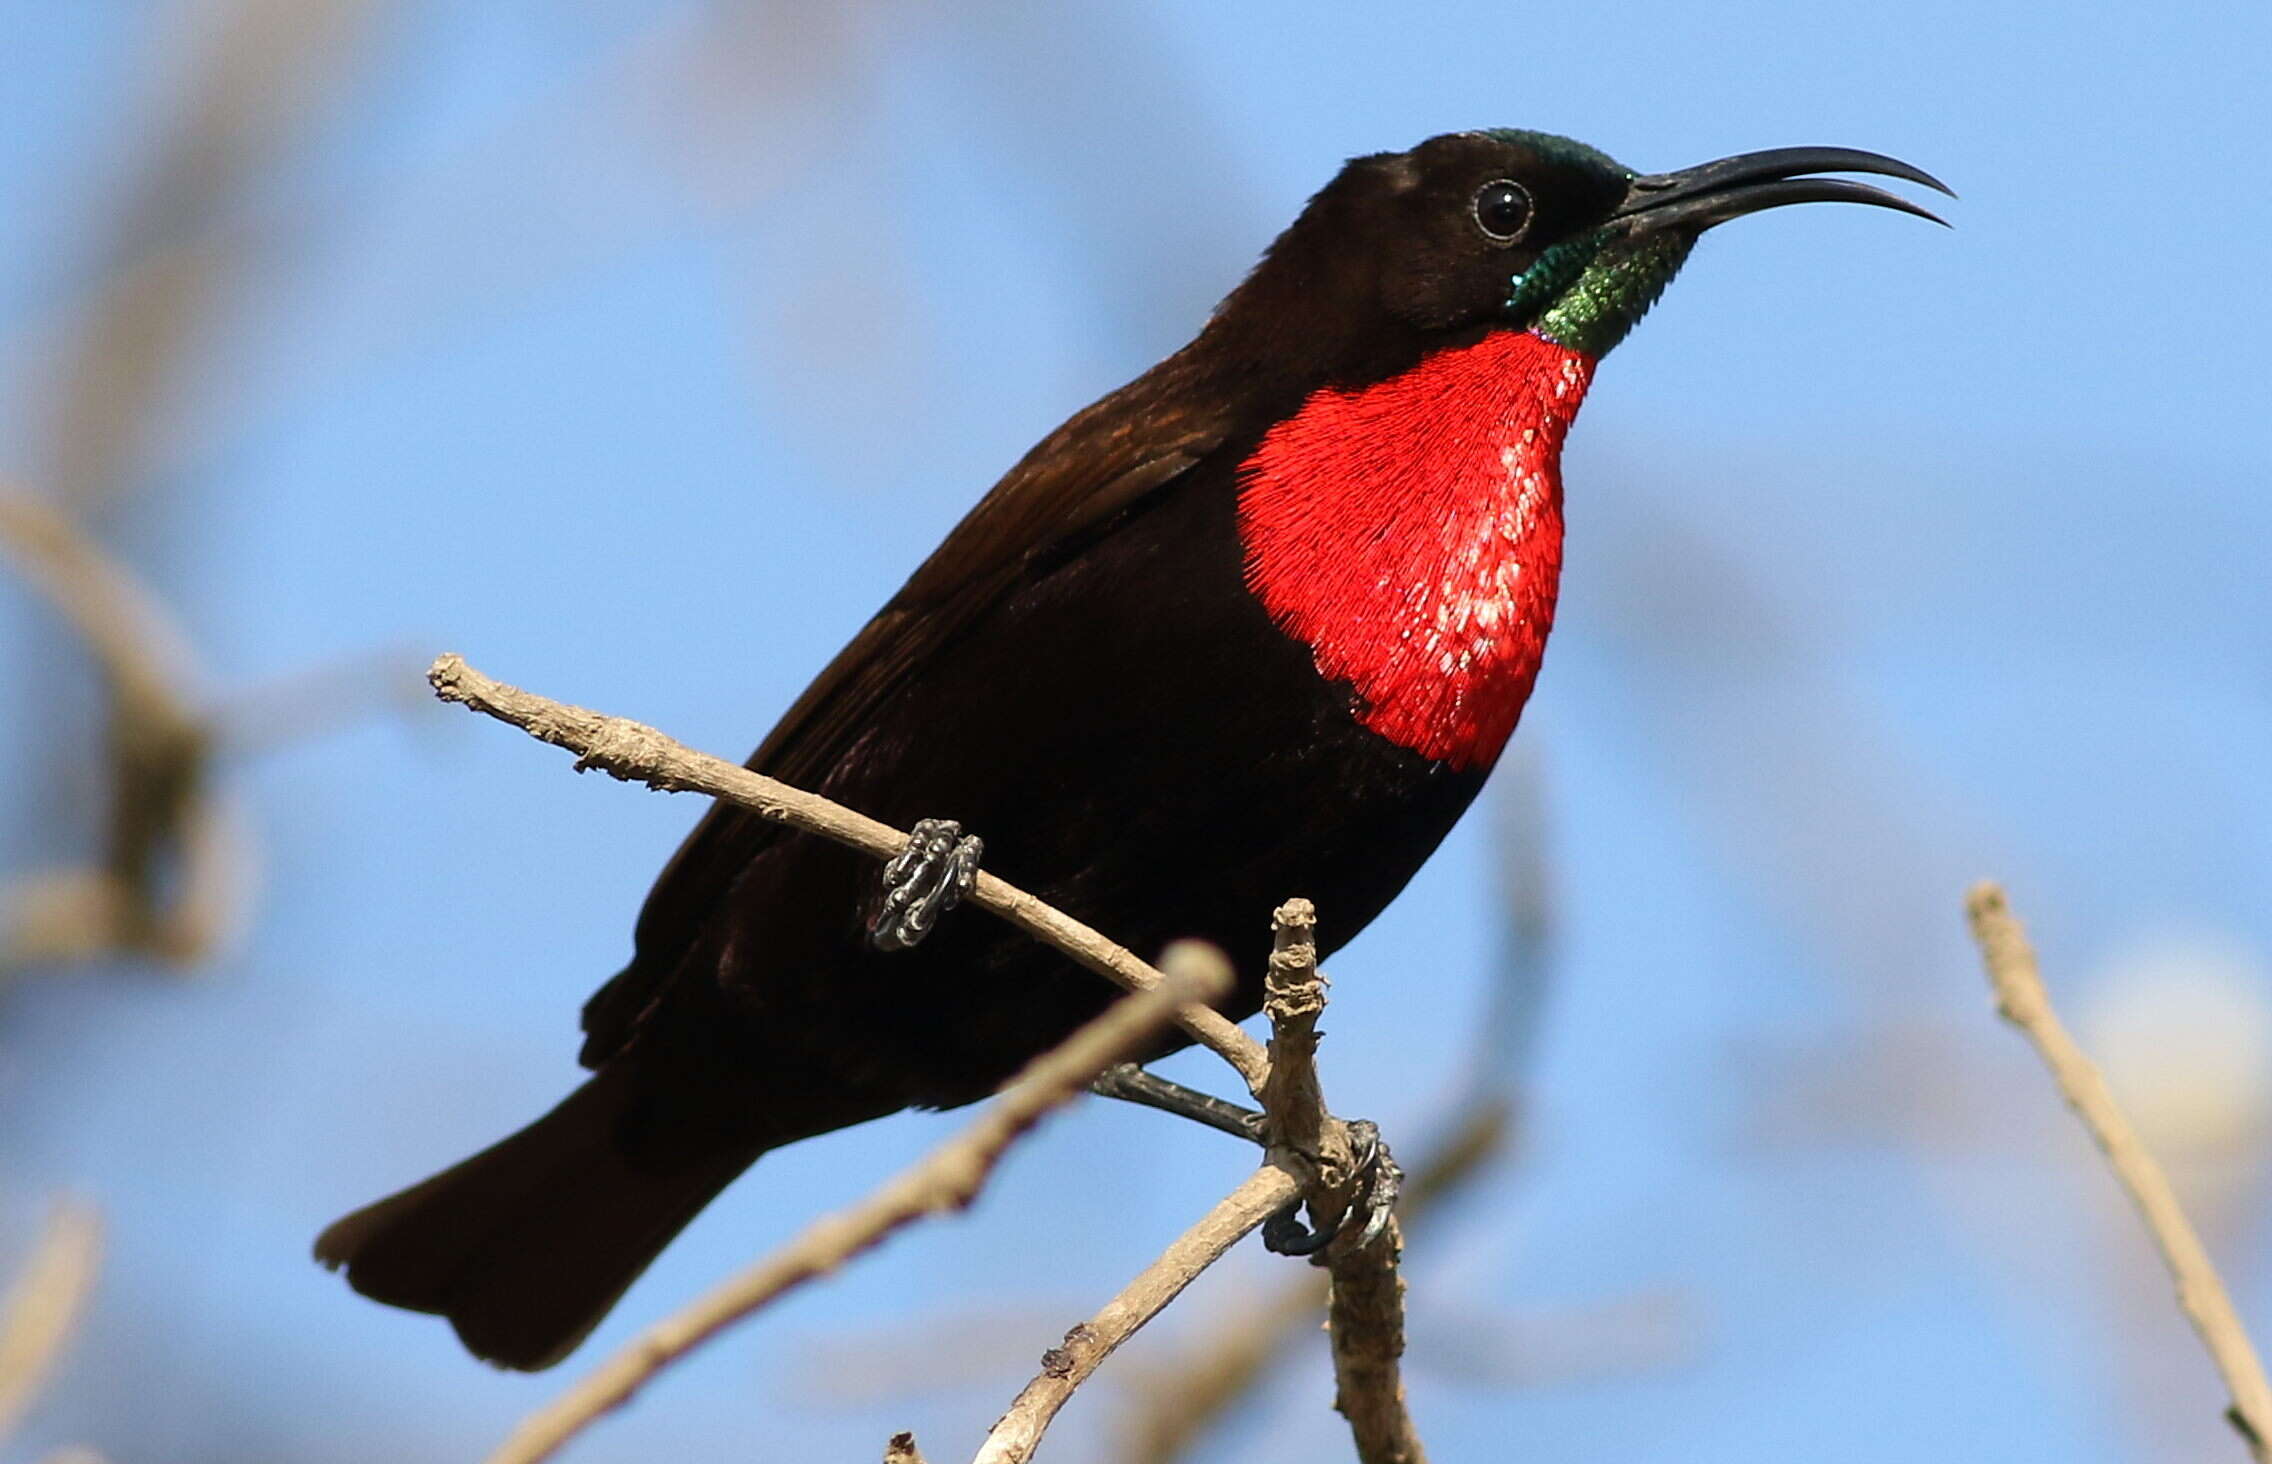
(1256, 624)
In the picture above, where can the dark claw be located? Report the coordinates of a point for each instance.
(1387, 1185)
(1284, 1232)
(923, 881)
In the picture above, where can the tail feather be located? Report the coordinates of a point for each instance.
(526, 1245)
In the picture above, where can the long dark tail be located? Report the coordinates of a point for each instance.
(525, 1246)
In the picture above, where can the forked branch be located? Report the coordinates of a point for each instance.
(1310, 1158)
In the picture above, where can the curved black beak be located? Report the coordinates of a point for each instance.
(1712, 193)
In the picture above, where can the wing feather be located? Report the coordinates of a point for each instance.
(1099, 465)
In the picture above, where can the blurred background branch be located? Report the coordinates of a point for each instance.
(170, 880)
(2022, 1000)
(45, 1304)
(260, 77)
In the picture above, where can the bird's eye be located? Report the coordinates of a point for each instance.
(1502, 210)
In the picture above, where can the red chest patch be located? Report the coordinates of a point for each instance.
(1410, 533)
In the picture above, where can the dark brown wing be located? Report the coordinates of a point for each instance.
(1100, 463)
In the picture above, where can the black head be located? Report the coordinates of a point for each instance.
(1506, 229)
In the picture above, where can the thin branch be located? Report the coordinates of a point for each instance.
(1365, 1308)
(1064, 1368)
(45, 1304)
(2023, 1001)
(637, 753)
(168, 883)
(1366, 1321)
(1293, 1102)
(948, 1178)
(142, 653)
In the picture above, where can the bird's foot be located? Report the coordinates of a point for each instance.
(1378, 1180)
(923, 881)
(1374, 1174)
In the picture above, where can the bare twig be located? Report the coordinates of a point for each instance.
(1365, 1300)
(2023, 1001)
(948, 1178)
(1366, 1320)
(1365, 1308)
(168, 883)
(637, 753)
(1292, 1100)
(45, 1304)
(1064, 1368)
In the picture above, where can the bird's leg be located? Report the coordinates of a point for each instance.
(923, 881)
(1131, 1084)
(1283, 1232)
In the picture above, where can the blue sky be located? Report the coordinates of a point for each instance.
(638, 351)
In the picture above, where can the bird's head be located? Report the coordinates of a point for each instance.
(1524, 230)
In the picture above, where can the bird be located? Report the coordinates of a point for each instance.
(1256, 624)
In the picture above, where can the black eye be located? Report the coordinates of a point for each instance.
(1502, 208)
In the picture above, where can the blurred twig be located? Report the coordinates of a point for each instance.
(262, 73)
(2022, 1000)
(44, 1305)
(948, 1178)
(380, 683)
(167, 885)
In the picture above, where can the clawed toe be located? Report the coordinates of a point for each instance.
(1380, 1183)
(924, 881)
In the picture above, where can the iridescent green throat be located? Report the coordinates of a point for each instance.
(1587, 293)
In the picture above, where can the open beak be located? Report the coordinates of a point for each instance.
(1712, 193)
